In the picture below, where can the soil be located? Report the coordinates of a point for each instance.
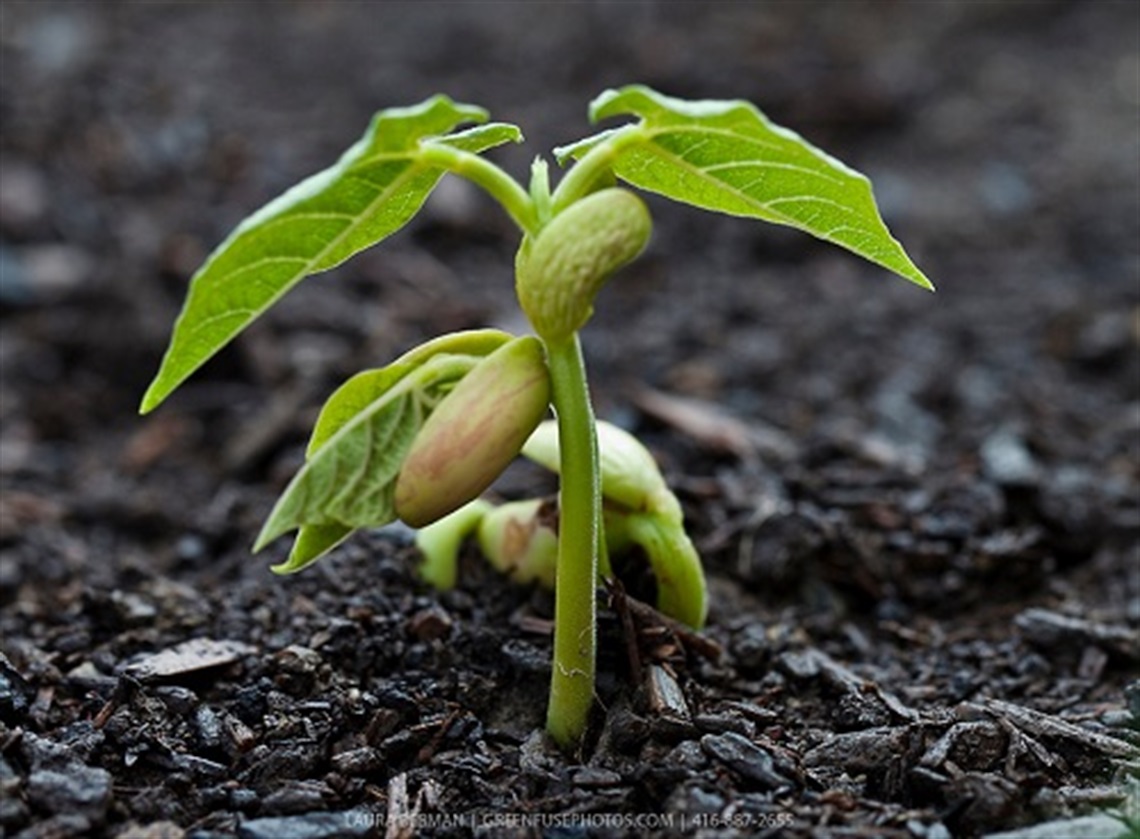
(919, 513)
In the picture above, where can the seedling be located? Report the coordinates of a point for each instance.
(425, 435)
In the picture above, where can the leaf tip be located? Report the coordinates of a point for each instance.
(264, 538)
(461, 110)
(914, 275)
(630, 99)
(598, 107)
(155, 395)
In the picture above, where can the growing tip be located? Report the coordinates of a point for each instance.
(921, 280)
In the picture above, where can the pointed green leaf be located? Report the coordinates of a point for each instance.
(366, 387)
(728, 157)
(479, 138)
(313, 541)
(354, 397)
(372, 191)
(350, 480)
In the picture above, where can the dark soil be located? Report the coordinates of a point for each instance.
(919, 513)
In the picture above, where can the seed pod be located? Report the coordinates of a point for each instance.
(560, 272)
(474, 432)
(520, 540)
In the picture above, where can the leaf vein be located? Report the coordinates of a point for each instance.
(770, 206)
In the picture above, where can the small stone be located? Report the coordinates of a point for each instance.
(53, 271)
(1092, 664)
(24, 198)
(923, 831)
(299, 660)
(720, 723)
(200, 767)
(694, 799)
(860, 751)
(745, 759)
(971, 745)
(625, 730)
(854, 711)
(133, 609)
(298, 668)
(526, 659)
(783, 547)
(802, 665)
(688, 755)
(429, 624)
(13, 811)
(1050, 629)
(295, 798)
(76, 790)
(16, 694)
(595, 777)
(1008, 461)
(1087, 827)
(178, 700)
(154, 830)
(751, 647)
(244, 798)
(357, 761)
(208, 727)
(539, 756)
(242, 737)
(42, 753)
(1132, 694)
(87, 676)
(1104, 339)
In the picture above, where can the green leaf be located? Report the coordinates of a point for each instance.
(371, 192)
(366, 387)
(357, 395)
(728, 157)
(313, 541)
(350, 481)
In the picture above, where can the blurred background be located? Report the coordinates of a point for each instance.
(1001, 139)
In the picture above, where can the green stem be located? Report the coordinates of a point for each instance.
(681, 588)
(597, 163)
(501, 186)
(572, 683)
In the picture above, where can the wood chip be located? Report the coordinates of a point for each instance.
(1050, 629)
(1047, 727)
(712, 428)
(693, 641)
(188, 657)
(665, 696)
